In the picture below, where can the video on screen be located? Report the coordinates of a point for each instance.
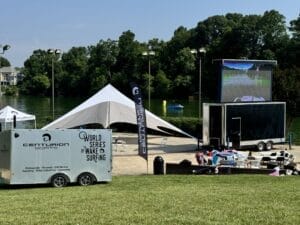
(246, 82)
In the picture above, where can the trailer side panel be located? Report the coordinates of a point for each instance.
(34, 156)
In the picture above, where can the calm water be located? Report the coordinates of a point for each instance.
(41, 107)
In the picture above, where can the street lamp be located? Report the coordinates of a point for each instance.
(149, 53)
(4, 48)
(53, 52)
(199, 52)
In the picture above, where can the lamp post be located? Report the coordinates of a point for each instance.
(149, 53)
(53, 53)
(199, 52)
(4, 48)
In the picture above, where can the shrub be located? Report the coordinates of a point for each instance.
(191, 125)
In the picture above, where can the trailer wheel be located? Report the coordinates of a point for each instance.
(86, 179)
(59, 180)
(269, 145)
(260, 146)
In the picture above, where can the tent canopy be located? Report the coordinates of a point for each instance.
(106, 107)
(7, 115)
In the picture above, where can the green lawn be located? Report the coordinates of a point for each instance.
(167, 199)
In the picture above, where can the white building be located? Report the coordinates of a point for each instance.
(9, 76)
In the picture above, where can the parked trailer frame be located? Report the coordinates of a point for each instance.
(242, 125)
(58, 157)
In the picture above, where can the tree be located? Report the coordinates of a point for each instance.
(242, 41)
(181, 86)
(174, 70)
(185, 61)
(102, 60)
(36, 65)
(4, 62)
(74, 65)
(40, 64)
(37, 85)
(295, 29)
(128, 60)
(162, 84)
(179, 41)
(287, 87)
(40, 84)
(293, 50)
(273, 34)
(211, 31)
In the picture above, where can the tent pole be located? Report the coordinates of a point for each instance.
(109, 114)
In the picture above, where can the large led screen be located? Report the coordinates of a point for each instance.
(246, 81)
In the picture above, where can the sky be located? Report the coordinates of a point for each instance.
(27, 25)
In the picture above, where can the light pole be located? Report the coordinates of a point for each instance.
(53, 53)
(199, 52)
(149, 53)
(4, 48)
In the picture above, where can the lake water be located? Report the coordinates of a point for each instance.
(41, 107)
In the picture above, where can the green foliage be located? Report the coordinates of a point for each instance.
(287, 87)
(167, 200)
(145, 81)
(188, 124)
(182, 85)
(4, 62)
(38, 73)
(174, 70)
(162, 84)
(295, 28)
(98, 80)
(74, 64)
(11, 90)
(185, 61)
(40, 83)
(294, 129)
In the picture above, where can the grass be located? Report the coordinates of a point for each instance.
(168, 199)
(295, 130)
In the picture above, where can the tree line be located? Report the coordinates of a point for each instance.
(174, 69)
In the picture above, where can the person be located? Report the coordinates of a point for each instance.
(200, 158)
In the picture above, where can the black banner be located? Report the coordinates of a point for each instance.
(141, 121)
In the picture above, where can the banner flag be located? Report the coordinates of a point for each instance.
(141, 121)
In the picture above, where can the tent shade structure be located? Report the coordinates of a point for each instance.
(7, 116)
(106, 107)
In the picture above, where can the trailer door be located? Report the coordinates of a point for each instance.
(235, 132)
(215, 125)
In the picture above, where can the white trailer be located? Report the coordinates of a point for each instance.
(57, 156)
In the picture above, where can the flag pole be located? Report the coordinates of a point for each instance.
(141, 122)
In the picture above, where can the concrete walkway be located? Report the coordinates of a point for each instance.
(126, 160)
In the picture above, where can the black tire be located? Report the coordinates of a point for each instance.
(86, 179)
(260, 146)
(269, 145)
(59, 180)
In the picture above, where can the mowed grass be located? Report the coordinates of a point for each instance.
(166, 199)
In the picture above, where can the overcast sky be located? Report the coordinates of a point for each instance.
(28, 25)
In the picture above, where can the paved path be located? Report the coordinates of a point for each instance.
(172, 149)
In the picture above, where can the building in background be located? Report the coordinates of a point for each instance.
(10, 76)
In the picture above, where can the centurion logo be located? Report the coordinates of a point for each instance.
(46, 137)
(46, 144)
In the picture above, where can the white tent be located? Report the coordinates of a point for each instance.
(7, 116)
(106, 107)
